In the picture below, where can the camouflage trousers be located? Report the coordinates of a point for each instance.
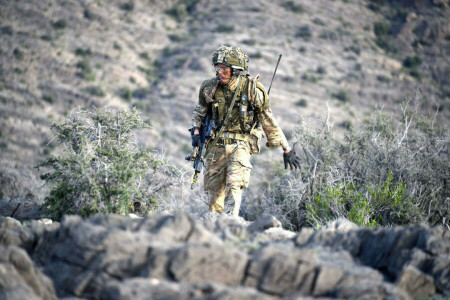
(227, 173)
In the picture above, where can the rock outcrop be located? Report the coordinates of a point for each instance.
(218, 257)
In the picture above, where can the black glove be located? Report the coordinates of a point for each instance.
(196, 138)
(291, 159)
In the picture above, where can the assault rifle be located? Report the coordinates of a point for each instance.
(206, 132)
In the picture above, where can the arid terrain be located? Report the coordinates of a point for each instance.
(351, 56)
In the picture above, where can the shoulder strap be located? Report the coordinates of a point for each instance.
(230, 108)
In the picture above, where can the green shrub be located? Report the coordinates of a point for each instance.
(249, 42)
(319, 22)
(46, 37)
(302, 103)
(293, 7)
(60, 24)
(95, 90)
(18, 54)
(178, 38)
(310, 78)
(321, 70)
(125, 93)
(85, 70)
(381, 29)
(101, 168)
(412, 62)
(182, 9)
(47, 98)
(390, 170)
(341, 95)
(127, 6)
(304, 32)
(7, 30)
(140, 93)
(87, 13)
(83, 52)
(223, 28)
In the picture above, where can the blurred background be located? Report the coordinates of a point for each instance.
(342, 57)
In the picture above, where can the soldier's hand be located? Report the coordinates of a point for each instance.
(196, 138)
(291, 159)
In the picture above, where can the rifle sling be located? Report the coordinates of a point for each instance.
(230, 109)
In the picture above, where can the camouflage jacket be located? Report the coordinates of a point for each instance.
(212, 95)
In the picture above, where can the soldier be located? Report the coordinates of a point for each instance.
(238, 133)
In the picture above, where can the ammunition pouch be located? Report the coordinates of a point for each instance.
(254, 141)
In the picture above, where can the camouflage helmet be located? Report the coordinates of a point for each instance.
(231, 56)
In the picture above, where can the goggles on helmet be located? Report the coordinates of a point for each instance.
(221, 68)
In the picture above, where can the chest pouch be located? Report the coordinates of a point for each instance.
(219, 108)
(245, 114)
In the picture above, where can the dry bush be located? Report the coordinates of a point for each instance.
(102, 169)
(18, 181)
(392, 169)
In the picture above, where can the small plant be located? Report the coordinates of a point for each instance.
(47, 98)
(125, 93)
(140, 93)
(310, 78)
(412, 62)
(223, 28)
(127, 6)
(302, 103)
(293, 7)
(383, 78)
(83, 52)
(381, 29)
(7, 30)
(87, 13)
(46, 37)
(85, 70)
(319, 22)
(389, 170)
(18, 54)
(178, 38)
(182, 9)
(249, 42)
(304, 32)
(321, 70)
(60, 24)
(256, 55)
(341, 95)
(95, 90)
(101, 168)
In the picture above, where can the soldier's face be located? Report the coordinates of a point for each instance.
(223, 73)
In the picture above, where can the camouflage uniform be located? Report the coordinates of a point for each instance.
(228, 164)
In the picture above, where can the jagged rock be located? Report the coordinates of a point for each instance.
(20, 209)
(227, 227)
(263, 223)
(416, 283)
(199, 263)
(19, 279)
(390, 249)
(152, 288)
(12, 233)
(177, 257)
(273, 234)
(340, 224)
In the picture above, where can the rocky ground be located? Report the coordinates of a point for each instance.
(152, 54)
(219, 257)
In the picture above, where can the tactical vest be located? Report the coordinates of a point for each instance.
(243, 116)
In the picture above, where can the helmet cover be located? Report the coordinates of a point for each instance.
(231, 56)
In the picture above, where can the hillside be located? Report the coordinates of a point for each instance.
(353, 55)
